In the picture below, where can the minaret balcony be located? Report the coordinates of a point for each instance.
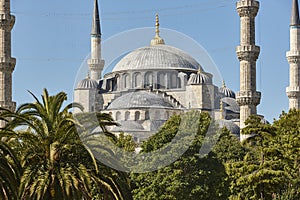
(293, 89)
(247, 8)
(247, 52)
(7, 21)
(7, 64)
(247, 3)
(248, 98)
(293, 53)
(95, 62)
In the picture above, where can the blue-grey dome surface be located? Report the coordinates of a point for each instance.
(227, 92)
(232, 104)
(87, 83)
(198, 79)
(231, 126)
(126, 126)
(139, 99)
(157, 57)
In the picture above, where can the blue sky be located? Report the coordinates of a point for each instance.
(51, 39)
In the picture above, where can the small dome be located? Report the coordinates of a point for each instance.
(87, 83)
(139, 99)
(231, 104)
(231, 126)
(157, 57)
(226, 91)
(198, 79)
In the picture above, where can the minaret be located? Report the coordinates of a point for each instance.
(293, 57)
(248, 98)
(96, 64)
(7, 63)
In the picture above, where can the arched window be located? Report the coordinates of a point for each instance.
(137, 115)
(126, 81)
(137, 80)
(116, 83)
(147, 115)
(173, 80)
(161, 81)
(148, 79)
(118, 116)
(127, 115)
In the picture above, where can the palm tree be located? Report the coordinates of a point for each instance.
(55, 162)
(10, 170)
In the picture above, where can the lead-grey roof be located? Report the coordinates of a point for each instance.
(87, 83)
(157, 57)
(126, 126)
(139, 99)
(96, 30)
(226, 92)
(198, 79)
(232, 104)
(295, 14)
(231, 126)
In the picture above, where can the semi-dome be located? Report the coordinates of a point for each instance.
(87, 83)
(231, 126)
(139, 99)
(231, 104)
(226, 91)
(199, 78)
(157, 57)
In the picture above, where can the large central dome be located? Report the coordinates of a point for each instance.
(157, 57)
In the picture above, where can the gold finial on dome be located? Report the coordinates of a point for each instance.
(223, 84)
(157, 39)
(88, 75)
(200, 70)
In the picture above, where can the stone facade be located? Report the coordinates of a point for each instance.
(149, 85)
(7, 63)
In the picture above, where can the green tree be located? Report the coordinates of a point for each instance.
(192, 176)
(260, 174)
(10, 172)
(56, 165)
(288, 143)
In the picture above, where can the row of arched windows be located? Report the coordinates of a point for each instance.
(138, 115)
(158, 80)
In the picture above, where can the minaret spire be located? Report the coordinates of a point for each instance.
(293, 57)
(248, 98)
(96, 63)
(295, 14)
(96, 29)
(7, 63)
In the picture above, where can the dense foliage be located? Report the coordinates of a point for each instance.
(43, 156)
(55, 164)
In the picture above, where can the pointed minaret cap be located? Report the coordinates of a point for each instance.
(295, 14)
(96, 30)
(157, 39)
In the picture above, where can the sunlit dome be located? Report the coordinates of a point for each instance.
(226, 91)
(199, 78)
(87, 83)
(157, 57)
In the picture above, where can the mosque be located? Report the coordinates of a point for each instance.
(150, 84)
